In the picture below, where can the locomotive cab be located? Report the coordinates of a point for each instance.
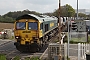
(27, 32)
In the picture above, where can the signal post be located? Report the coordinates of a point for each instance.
(59, 27)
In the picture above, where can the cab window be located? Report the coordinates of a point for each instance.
(20, 25)
(32, 26)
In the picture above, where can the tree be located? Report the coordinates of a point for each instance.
(55, 13)
(66, 11)
(88, 16)
(11, 16)
(70, 12)
(82, 15)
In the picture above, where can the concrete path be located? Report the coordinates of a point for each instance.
(75, 58)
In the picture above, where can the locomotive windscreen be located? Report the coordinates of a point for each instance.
(20, 25)
(32, 25)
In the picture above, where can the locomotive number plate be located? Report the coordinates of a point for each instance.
(26, 32)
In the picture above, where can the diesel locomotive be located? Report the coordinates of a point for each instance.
(33, 32)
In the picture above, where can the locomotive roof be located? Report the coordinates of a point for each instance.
(40, 18)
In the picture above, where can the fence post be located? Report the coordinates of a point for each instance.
(87, 48)
(65, 50)
(82, 50)
(79, 51)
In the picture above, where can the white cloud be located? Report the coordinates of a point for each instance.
(38, 5)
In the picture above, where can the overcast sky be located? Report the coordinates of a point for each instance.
(41, 6)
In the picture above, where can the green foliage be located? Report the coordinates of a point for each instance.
(2, 57)
(70, 12)
(75, 40)
(89, 39)
(16, 58)
(34, 58)
(65, 10)
(81, 15)
(68, 58)
(6, 19)
(27, 58)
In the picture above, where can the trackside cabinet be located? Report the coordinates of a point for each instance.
(54, 51)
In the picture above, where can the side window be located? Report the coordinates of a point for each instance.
(46, 27)
(41, 26)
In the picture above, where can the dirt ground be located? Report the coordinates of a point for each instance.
(6, 26)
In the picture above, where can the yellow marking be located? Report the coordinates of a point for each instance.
(22, 42)
(41, 33)
(51, 24)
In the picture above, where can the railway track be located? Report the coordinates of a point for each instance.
(9, 50)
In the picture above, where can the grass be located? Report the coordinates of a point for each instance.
(2, 57)
(77, 40)
(88, 38)
(27, 58)
(11, 38)
(34, 58)
(16, 58)
(68, 58)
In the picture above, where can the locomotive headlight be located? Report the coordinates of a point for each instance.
(17, 37)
